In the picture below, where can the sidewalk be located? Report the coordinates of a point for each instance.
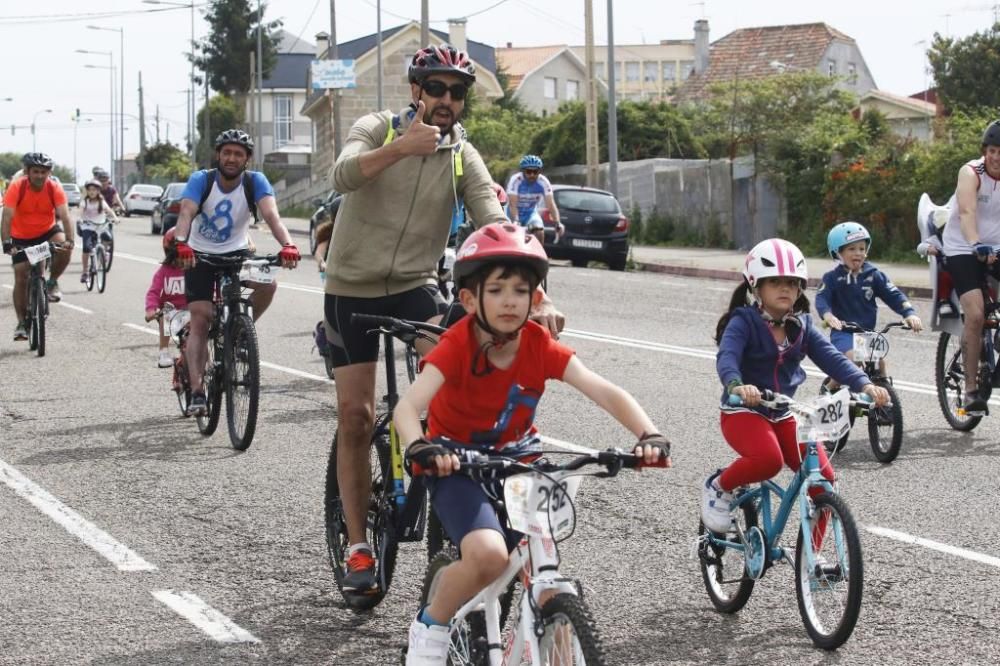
(914, 279)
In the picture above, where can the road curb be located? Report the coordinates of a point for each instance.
(724, 274)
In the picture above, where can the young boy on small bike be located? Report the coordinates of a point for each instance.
(93, 212)
(480, 386)
(848, 292)
(167, 287)
(763, 338)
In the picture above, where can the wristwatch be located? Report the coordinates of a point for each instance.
(181, 239)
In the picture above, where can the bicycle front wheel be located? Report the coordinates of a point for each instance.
(885, 426)
(37, 314)
(90, 277)
(242, 371)
(378, 529)
(949, 378)
(723, 570)
(570, 635)
(102, 269)
(829, 586)
(208, 422)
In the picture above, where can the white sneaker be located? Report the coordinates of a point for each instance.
(428, 645)
(715, 505)
(166, 359)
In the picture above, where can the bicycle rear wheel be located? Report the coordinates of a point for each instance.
(102, 269)
(469, 646)
(208, 422)
(242, 370)
(570, 635)
(183, 389)
(379, 531)
(829, 589)
(90, 277)
(39, 309)
(723, 569)
(949, 378)
(885, 426)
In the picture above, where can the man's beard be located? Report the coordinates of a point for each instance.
(430, 120)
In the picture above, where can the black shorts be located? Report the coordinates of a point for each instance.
(969, 273)
(352, 344)
(199, 282)
(20, 257)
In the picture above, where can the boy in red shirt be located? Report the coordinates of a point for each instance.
(480, 386)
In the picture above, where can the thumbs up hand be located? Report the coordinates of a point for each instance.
(420, 138)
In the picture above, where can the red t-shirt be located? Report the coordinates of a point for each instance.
(498, 408)
(36, 213)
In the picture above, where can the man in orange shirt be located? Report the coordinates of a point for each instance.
(30, 207)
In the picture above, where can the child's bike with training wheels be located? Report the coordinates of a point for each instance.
(554, 625)
(176, 325)
(827, 557)
(885, 424)
(396, 512)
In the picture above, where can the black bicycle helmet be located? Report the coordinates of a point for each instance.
(443, 59)
(36, 160)
(234, 136)
(991, 137)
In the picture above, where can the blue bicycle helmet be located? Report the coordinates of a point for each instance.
(531, 162)
(846, 233)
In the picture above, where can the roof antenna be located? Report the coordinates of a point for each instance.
(699, 4)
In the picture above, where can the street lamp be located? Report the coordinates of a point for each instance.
(33, 148)
(191, 112)
(111, 70)
(119, 176)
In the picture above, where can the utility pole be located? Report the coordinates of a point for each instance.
(591, 116)
(332, 54)
(208, 129)
(157, 123)
(425, 24)
(250, 100)
(612, 109)
(378, 53)
(260, 86)
(142, 134)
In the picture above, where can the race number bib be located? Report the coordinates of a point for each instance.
(261, 274)
(829, 419)
(538, 506)
(37, 253)
(870, 346)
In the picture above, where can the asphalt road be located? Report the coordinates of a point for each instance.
(128, 538)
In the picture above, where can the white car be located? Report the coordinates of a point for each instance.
(73, 194)
(141, 198)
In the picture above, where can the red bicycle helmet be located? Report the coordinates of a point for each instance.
(499, 242)
(444, 59)
(501, 193)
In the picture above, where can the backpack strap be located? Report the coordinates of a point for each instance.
(209, 182)
(24, 191)
(248, 190)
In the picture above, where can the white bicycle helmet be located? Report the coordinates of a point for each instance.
(775, 257)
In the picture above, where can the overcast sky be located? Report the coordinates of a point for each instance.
(43, 71)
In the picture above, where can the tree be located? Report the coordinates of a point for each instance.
(965, 70)
(225, 54)
(223, 113)
(166, 162)
(10, 163)
(501, 136)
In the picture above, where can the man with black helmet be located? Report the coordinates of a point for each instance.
(217, 207)
(30, 208)
(402, 175)
(970, 236)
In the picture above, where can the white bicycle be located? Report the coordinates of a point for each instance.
(554, 627)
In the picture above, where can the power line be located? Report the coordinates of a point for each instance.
(408, 18)
(85, 16)
(304, 28)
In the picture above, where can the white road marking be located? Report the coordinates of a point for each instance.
(263, 364)
(136, 257)
(281, 285)
(934, 545)
(75, 307)
(112, 550)
(216, 625)
(9, 286)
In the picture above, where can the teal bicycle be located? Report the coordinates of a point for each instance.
(827, 558)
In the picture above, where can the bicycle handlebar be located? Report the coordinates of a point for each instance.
(479, 465)
(217, 261)
(774, 400)
(853, 327)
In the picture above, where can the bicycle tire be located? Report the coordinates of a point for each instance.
(110, 251)
(102, 269)
(207, 423)
(379, 533)
(714, 570)
(469, 646)
(437, 540)
(950, 384)
(812, 586)
(573, 613)
(242, 373)
(38, 316)
(886, 423)
(184, 390)
(412, 362)
(90, 278)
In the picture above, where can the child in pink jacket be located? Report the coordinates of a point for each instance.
(167, 287)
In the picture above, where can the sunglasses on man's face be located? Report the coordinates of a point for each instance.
(531, 172)
(439, 88)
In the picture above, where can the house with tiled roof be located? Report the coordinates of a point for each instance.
(398, 46)
(543, 77)
(908, 117)
(754, 53)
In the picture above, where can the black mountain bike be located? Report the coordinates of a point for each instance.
(233, 366)
(396, 512)
(38, 294)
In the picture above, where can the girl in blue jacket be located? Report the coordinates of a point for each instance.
(763, 338)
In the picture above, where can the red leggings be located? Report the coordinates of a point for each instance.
(763, 447)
